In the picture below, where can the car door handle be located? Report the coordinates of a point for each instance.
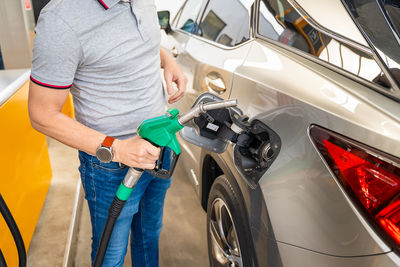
(215, 83)
(174, 51)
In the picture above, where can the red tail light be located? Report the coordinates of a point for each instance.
(389, 219)
(370, 177)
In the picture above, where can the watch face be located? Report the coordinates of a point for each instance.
(104, 154)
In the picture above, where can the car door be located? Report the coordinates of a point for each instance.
(209, 50)
(175, 42)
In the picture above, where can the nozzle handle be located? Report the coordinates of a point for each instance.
(158, 171)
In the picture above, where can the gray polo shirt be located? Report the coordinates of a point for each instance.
(108, 53)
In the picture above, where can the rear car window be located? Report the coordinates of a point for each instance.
(226, 22)
(279, 21)
(392, 8)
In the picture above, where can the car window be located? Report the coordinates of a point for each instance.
(188, 15)
(226, 22)
(279, 21)
(380, 21)
(392, 9)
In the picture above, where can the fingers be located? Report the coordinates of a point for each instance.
(168, 82)
(141, 165)
(148, 160)
(137, 152)
(172, 73)
(146, 166)
(181, 83)
(149, 155)
(147, 152)
(142, 162)
(153, 151)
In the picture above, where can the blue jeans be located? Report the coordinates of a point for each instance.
(141, 215)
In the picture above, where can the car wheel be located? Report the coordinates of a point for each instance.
(228, 233)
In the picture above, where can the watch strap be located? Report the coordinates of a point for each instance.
(108, 141)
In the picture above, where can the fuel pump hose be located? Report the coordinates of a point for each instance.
(122, 195)
(19, 242)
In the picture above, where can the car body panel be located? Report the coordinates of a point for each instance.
(312, 83)
(298, 187)
(296, 257)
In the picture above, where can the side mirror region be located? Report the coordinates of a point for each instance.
(164, 20)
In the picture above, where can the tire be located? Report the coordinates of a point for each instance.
(228, 233)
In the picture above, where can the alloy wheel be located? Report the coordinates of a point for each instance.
(224, 240)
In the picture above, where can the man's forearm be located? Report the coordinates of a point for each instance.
(45, 107)
(45, 113)
(68, 131)
(165, 58)
(133, 152)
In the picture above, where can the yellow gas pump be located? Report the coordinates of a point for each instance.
(26, 174)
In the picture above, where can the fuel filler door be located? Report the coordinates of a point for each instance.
(256, 145)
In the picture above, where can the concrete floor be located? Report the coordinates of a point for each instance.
(182, 242)
(50, 238)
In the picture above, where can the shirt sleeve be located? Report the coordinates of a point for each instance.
(57, 53)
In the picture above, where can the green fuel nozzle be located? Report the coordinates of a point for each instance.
(161, 131)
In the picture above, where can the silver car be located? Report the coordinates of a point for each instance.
(314, 179)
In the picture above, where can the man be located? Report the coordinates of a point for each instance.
(107, 54)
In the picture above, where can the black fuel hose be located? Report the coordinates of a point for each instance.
(2, 260)
(113, 214)
(19, 242)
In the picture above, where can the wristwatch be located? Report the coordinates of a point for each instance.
(104, 152)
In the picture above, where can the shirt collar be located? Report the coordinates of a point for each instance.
(107, 4)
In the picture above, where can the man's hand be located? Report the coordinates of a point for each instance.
(173, 74)
(136, 152)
